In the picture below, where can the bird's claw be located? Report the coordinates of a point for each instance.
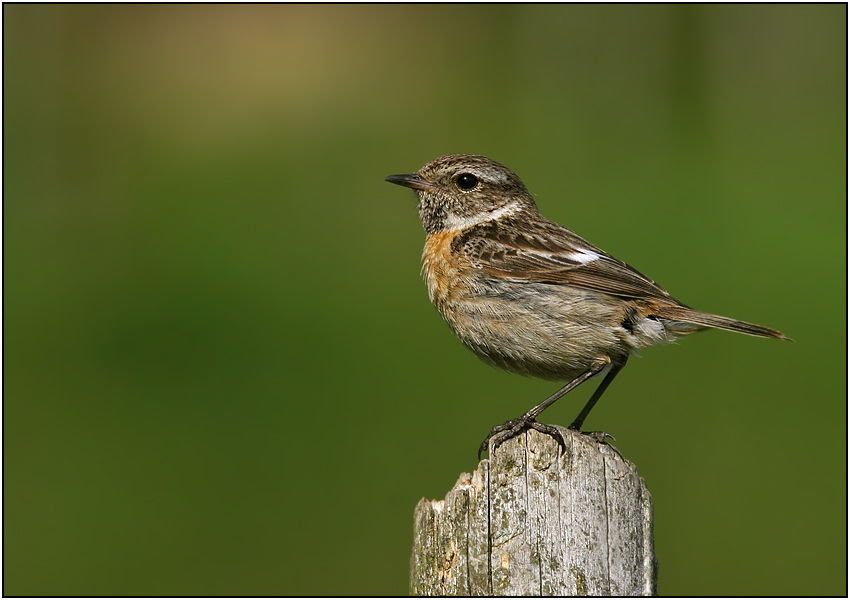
(601, 438)
(501, 433)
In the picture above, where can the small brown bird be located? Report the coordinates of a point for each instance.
(532, 297)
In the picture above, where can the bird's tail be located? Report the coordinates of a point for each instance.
(689, 315)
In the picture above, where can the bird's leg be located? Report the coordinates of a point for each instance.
(500, 433)
(599, 436)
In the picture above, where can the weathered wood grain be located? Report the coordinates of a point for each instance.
(535, 521)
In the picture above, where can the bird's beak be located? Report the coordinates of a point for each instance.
(411, 180)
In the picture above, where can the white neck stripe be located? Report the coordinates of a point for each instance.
(456, 222)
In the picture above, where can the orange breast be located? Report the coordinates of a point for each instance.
(443, 271)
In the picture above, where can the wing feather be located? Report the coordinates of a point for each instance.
(544, 252)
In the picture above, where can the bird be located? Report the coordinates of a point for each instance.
(529, 296)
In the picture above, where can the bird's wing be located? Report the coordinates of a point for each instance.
(545, 252)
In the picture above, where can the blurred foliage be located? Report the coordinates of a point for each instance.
(222, 372)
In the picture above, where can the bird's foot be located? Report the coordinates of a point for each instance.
(501, 433)
(601, 438)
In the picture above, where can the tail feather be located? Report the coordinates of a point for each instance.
(689, 315)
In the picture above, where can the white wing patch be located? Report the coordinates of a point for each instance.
(583, 256)
(570, 259)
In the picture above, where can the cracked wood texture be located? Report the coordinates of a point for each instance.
(532, 521)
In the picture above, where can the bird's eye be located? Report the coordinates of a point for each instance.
(466, 181)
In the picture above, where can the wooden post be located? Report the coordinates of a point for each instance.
(532, 522)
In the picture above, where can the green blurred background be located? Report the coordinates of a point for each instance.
(222, 372)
